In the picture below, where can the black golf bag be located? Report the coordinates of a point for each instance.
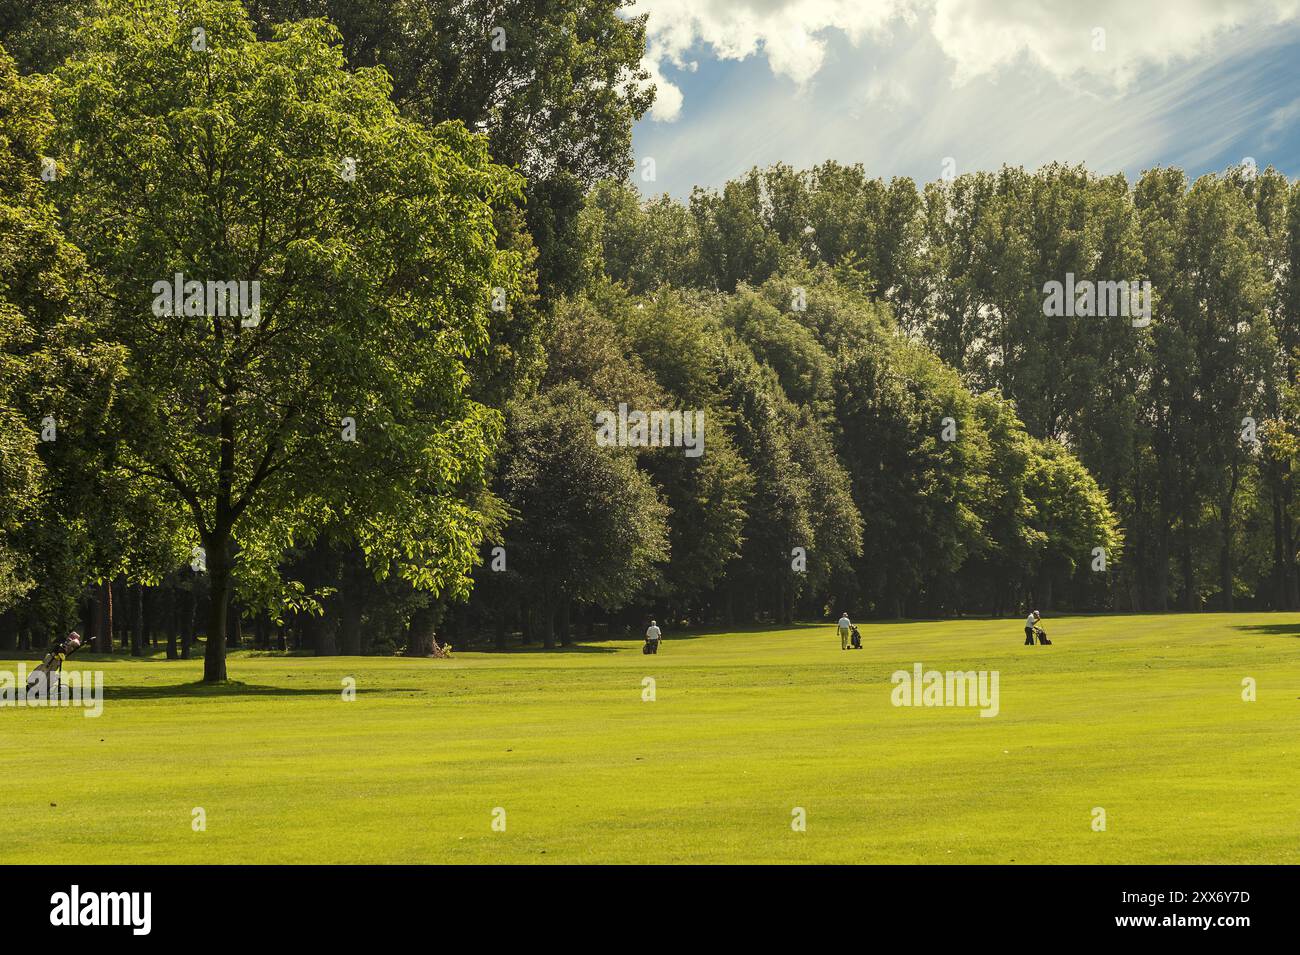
(855, 638)
(651, 646)
(1042, 637)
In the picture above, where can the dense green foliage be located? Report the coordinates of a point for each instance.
(867, 404)
(1186, 422)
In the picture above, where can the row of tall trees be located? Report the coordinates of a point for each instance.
(1187, 422)
(843, 464)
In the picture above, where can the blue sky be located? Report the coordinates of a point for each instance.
(902, 85)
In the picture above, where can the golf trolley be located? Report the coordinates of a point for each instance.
(1041, 634)
(48, 670)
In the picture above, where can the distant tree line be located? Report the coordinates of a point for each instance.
(1188, 422)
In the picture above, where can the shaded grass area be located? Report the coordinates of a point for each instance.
(1140, 716)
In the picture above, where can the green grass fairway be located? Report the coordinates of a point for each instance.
(1142, 716)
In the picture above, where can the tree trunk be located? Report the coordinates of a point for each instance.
(350, 628)
(137, 629)
(548, 623)
(564, 622)
(173, 652)
(1226, 570)
(191, 623)
(234, 626)
(1284, 551)
(86, 617)
(1292, 572)
(1162, 570)
(104, 619)
(155, 614)
(124, 620)
(323, 642)
(1226, 577)
(419, 641)
(214, 655)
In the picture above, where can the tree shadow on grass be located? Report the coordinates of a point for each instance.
(633, 641)
(753, 629)
(33, 657)
(198, 690)
(1273, 629)
(515, 649)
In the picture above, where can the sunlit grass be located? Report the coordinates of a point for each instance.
(1140, 716)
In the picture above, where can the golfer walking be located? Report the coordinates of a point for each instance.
(652, 636)
(844, 626)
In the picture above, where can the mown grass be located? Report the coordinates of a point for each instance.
(1140, 716)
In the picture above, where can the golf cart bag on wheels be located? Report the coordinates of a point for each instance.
(46, 673)
(651, 646)
(855, 638)
(1042, 637)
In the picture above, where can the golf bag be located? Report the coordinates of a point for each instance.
(855, 638)
(1042, 637)
(651, 646)
(46, 672)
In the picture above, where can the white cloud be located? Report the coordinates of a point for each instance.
(982, 36)
(668, 96)
(976, 37)
(888, 92)
(787, 32)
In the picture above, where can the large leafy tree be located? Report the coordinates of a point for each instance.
(194, 148)
(21, 473)
(28, 234)
(1210, 346)
(680, 343)
(59, 521)
(590, 527)
(555, 85)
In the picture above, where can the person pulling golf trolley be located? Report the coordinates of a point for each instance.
(652, 637)
(48, 669)
(850, 639)
(1032, 629)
